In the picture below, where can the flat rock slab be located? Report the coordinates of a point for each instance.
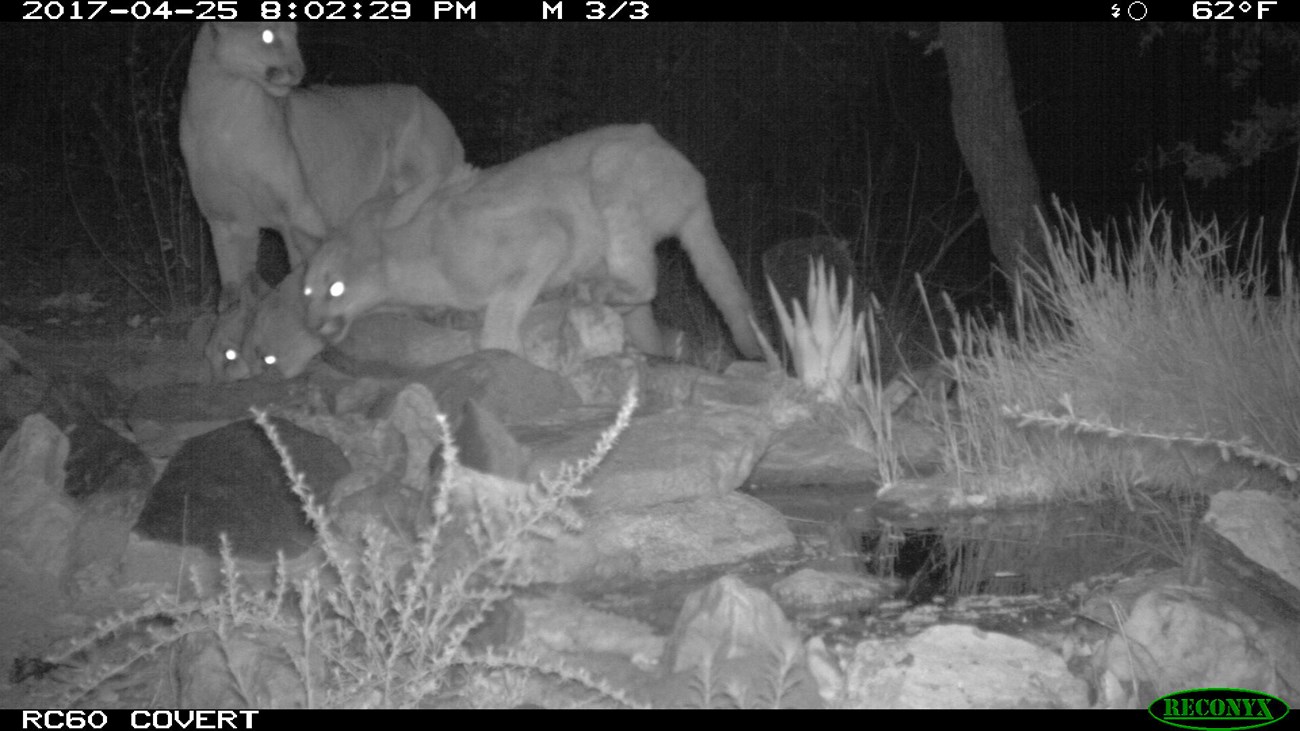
(510, 387)
(231, 481)
(391, 345)
(674, 455)
(957, 666)
(204, 402)
(648, 542)
(503, 383)
(807, 452)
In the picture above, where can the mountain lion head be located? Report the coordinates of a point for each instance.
(222, 351)
(338, 286)
(277, 338)
(348, 275)
(266, 53)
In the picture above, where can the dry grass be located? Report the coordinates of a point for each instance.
(1152, 358)
(383, 622)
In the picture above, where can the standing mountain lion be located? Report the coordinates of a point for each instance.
(583, 213)
(262, 153)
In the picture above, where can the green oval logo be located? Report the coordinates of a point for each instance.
(1221, 709)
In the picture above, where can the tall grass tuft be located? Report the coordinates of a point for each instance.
(836, 354)
(1158, 356)
(825, 342)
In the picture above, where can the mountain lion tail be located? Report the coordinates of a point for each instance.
(717, 272)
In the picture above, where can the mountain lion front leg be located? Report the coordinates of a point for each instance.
(506, 311)
(548, 242)
(235, 245)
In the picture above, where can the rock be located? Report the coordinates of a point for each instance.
(246, 669)
(486, 445)
(505, 384)
(678, 384)
(106, 474)
(606, 379)
(231, 481)
(588, 331)
(732, 646)
(404, 504)
(637, 543)
(811, 590)
(70, 517)
(110, 478)
(956, 666)
(675, 455)
(192, 402)
(392, 345)
(161, 440)
(38, 519)
(1265, 527)
(102, 461)
(663, 500)
(1178, 637)
(562, 624)
(501, 382)
(557, 335)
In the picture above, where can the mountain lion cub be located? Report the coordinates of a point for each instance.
(585, 212)
(275, 336)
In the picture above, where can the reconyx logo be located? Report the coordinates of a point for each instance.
(1220, 709)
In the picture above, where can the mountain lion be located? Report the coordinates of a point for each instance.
(275, 335)
(223, 350)
(262, 153)
(584, 213)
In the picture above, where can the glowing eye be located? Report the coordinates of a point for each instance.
(231, 354)
(337, 289)
(268, 36)
(268, 359)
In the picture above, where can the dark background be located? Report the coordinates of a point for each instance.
(800, 128)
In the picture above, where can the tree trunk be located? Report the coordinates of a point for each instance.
(992, 141)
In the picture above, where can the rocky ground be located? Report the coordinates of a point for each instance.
(727, 523)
